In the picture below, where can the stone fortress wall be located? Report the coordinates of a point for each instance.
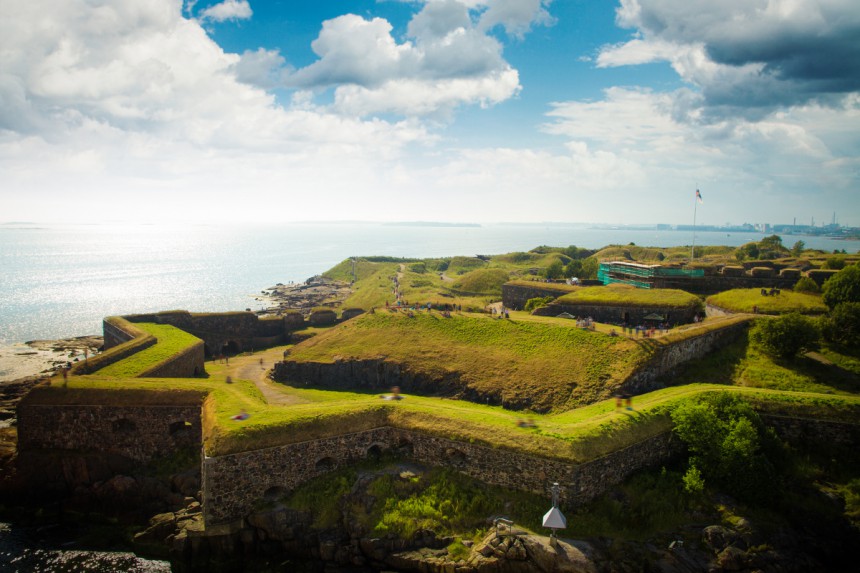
(632, 315)
(139, 432)
(668, 357)
(143, 430)
(233, 484)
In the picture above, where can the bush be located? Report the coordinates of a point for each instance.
(555, 270)
(786, 336)
(537, 302)
(844, 286)
(807, 285)
(835, 263)
(730, 447)
(842, 325)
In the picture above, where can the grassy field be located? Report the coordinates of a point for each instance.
(171, 341)
(750, 299)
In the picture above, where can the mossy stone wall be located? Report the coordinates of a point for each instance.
(234, 483)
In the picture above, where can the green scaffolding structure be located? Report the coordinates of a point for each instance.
(641, 276)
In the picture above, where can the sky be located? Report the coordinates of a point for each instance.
(592, 111)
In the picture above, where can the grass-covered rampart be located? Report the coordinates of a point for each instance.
(541, 365)
(752, 300)
(629, 296)
(171, 341)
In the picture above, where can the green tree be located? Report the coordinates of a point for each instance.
(785, 336)
(771, 243)
(573, 269)
(589, 268)
(555, 270)
(797, 248)
(807, 285)
(771, 247)
(844, 286)
(834, 263)
(842, 325)
(748, 251)
(729, 447)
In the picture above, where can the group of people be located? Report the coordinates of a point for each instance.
(502, 312)
(646, 331)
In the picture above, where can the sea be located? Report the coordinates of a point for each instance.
(59, 281)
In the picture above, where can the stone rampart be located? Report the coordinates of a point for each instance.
(370, 374)
(226, 332)
(117, 331)
(233, 483)
(806, 430)
(188, 363)
(620, 314)
(139, 433)
(516, 295)
(668, 357)
(125, 339)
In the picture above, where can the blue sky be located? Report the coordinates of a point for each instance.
(592, 111)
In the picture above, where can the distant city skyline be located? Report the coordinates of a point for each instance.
(588, 111)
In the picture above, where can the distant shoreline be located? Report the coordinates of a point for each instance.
(428, 224)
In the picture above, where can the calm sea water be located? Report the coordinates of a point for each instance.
(60, 281)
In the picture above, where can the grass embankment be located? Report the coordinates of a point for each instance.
(573, 436)
(627, 295)
(561, 288)
(535, 364)
(171, 341)
(750, 299)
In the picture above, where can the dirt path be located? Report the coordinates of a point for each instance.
(255, 367)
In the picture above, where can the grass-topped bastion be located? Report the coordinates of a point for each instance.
(625, 304)
(522, 363)
(753, 300)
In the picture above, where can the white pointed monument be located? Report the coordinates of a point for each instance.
(554, 519)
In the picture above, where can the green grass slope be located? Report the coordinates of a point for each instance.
(748, 299)
(541, 365)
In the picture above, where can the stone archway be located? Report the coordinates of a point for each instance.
(325, 464)
(374, 452)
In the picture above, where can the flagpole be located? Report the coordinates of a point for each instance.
(695, 205)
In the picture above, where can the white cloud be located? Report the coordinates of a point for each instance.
(124, 104)
(448, 58)
(790, 156)
(747, 56)
(227, 10)
(516, 16)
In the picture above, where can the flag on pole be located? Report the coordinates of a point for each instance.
(698, 196)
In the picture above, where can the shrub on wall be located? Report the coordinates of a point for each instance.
(842, 325)
(844, 286)
(807, 285)
(537, 302)
(730, 447)
(786, 336)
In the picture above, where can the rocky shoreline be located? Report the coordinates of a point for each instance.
(43, 357)
(303, 297)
